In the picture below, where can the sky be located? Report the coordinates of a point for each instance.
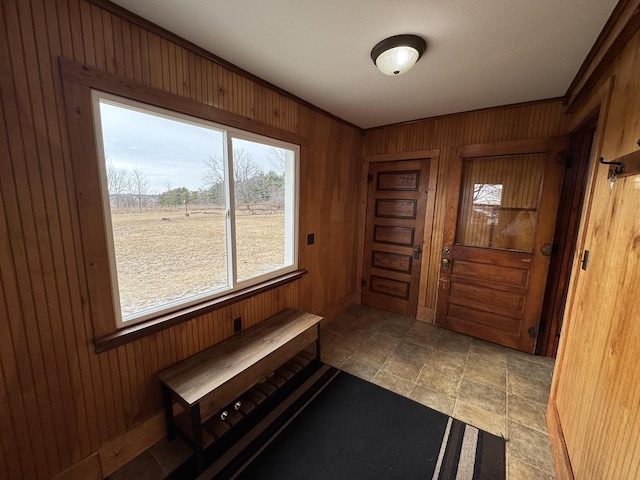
(165, 150)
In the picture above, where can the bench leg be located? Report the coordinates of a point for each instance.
(318, 345)
(196, 428)
(168, 413)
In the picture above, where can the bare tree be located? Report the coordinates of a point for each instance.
(277, 159)
(487, 194)
(213, 173)
(246, 175)
(139, 185)
(117, 182)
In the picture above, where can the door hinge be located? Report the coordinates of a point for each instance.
(369, 178)
(533, 332)
(547, 249)
(363, 283)
(563, 158)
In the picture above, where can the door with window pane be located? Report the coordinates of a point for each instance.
(500, 219)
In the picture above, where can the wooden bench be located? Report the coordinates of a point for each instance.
(215, 378)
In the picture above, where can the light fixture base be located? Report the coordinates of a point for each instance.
(397, 54)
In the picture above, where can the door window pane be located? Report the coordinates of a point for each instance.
(499, 202)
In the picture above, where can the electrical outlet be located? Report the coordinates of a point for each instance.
(311, 238)
(237, 324)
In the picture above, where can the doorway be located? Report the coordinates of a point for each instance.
(396, 204)
(501, 210)
(566, 236)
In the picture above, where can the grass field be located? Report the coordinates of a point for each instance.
(165, 256)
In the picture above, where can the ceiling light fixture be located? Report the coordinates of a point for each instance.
(396, 55)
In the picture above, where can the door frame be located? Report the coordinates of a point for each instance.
(551, 147)
(572, 196)
(424, 311)
(597, 106)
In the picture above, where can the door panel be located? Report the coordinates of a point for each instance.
(403, 236)
(397, 262)
(500, 212)
(396, 205)
(395, 208)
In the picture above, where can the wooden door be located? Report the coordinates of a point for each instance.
(396, 204)
(501, 211)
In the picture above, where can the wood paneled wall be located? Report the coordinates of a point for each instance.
(59, 401)
(533, 120)
(595, 399)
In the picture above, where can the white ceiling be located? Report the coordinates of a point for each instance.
(480, 53)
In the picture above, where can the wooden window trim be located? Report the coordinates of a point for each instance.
(149, 327)
(78, 81)
(94, 78)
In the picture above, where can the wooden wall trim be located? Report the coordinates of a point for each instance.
(150, 327)
(426, 314)
(87, 469)
(119, 451)
(595, 103)
(107, 82)
(561, 461)
(192, 47)
(428, 235)
(465, 113)
(328, 313)
(392, 157)
(622, 25)
(512, 147)
(362, 223)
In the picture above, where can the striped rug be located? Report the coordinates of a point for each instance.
(337, 426)
(468, 453)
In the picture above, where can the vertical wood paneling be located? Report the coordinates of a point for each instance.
(61, 401)
(596, 392)
(535, 120)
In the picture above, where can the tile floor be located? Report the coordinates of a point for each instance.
(498, 389)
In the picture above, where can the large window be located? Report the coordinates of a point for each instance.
(193, 209)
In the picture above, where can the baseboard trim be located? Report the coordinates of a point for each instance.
(425, 314)
(340, 306)
(561, 461)
(87, 469)
(119, 451)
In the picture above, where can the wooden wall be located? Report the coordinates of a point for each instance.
(59, 401)
(533, 120)
(595, 398)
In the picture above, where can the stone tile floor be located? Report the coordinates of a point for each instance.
(497, 389)
(500, 390)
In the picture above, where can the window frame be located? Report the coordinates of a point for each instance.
(292, 193)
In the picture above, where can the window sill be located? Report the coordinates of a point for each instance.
(149, 327)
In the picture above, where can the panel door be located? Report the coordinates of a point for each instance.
(500, 218)
(396, 205)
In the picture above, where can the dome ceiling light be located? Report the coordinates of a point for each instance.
(396, 55)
